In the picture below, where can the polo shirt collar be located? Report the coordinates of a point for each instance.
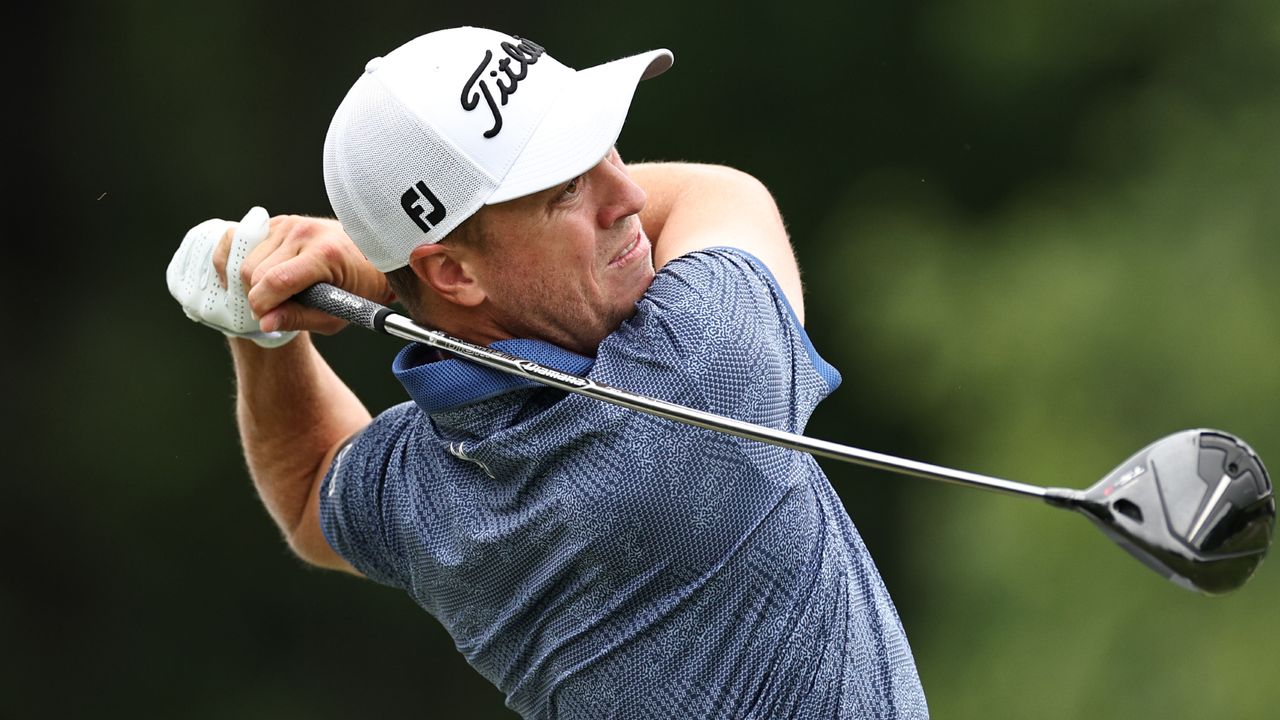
(438, 382)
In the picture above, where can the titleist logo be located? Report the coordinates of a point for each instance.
(522, 55)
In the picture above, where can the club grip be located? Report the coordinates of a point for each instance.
(342, 304)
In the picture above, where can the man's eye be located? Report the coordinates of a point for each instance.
(571, 188)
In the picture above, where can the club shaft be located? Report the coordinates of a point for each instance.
(376, 317)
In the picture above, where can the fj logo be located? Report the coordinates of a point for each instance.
(423, 207)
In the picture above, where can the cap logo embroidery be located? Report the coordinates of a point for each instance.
(423, 216)
(524, 55)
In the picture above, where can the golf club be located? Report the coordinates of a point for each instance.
(1196, 506)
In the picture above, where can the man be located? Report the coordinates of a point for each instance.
(588, 560)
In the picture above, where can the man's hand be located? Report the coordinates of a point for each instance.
(205, 296)
(269, 261)
(297, 253)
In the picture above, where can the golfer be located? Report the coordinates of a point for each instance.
(588, 560)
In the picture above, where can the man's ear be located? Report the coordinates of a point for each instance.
(448, 271)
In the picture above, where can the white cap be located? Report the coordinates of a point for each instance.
(461, 118)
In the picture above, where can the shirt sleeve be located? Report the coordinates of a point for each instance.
(716, 332)
(352, 510)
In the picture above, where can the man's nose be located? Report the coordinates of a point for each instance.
(623, 197)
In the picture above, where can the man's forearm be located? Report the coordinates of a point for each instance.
(293, 412)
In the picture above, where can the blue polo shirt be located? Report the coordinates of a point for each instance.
(593, 561)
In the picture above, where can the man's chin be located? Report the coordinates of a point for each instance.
(644, 281)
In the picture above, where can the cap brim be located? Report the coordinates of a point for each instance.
(581, 126)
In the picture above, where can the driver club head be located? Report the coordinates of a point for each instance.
(1196, 507)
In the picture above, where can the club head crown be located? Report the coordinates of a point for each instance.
(1196, 507)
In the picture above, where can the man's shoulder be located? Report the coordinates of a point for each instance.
(721, 258)
(392, 423)
(711, 308)
(719, 284)
(709, 316)
(713, 279)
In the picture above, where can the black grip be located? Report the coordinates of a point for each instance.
(342, 304)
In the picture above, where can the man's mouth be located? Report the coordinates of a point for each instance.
(637, 247)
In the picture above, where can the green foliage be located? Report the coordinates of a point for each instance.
(1128, 294)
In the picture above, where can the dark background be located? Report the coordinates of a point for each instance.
(1036, 235)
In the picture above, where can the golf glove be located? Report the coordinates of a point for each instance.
(194, 284)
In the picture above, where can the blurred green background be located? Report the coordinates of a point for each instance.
(1037, 235)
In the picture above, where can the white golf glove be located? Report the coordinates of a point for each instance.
(194, 284)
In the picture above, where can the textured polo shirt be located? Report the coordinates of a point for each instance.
(592, 561)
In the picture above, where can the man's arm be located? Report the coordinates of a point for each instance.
(691, 207)
(293, 411)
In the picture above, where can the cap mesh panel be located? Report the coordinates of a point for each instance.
(377, 149)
